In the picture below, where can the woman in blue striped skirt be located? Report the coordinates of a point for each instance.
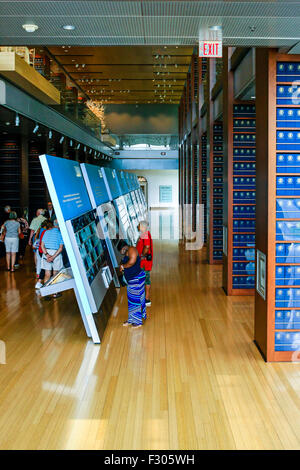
(135, 277)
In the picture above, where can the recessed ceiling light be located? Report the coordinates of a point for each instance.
(69, 27)
(215, 28)
(30, 28)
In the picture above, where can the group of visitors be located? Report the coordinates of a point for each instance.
(42, 235)
(136, 267)
(14, 231)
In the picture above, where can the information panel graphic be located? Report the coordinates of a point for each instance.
(69, 186)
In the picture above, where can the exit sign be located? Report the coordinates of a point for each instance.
(210, 49)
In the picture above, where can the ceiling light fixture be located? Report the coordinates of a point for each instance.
(30, 28)
(61, 139)
(68, 27)
(17, 120)
(50, 134)
(215, 28)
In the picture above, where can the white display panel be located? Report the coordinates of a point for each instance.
(137, 206)
(133, 216)
(99, 198)
(83, 238)
(126, 230)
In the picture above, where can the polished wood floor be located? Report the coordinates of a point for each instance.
(191, 378)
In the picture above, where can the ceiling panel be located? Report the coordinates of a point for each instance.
(139, 74)
(148, 22)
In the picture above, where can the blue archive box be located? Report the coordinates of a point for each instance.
(288, 94)
(287, 71)
(288, 117)
(243, 268)
(279, 341)
(288, 231)
(288, 140)
(288, 208)
(288, 163)
(244, 154)
(287, 341)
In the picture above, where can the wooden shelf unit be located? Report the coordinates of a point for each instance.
(37, 187)
(215, 206)
(10, 171)
(277, 316)
(242, 281)
(203, 181)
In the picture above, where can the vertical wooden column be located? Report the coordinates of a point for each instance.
(228, 166)
(277, 304)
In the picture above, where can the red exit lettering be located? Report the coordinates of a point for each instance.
(210, 49)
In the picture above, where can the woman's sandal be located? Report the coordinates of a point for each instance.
(126, 323)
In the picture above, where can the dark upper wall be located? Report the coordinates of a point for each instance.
(142, 119)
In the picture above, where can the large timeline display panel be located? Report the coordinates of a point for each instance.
(125, 187)
(115, 193)
(82, 235)
(90, 246)
(95, 182)
(287, 270)
(244, 197)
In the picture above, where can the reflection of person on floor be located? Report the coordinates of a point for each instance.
(135, 277)
(145, 249)
(52, 246)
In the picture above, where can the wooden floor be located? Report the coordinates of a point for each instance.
(191, 378)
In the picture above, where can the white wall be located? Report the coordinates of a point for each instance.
(156, 178)
(160, 220)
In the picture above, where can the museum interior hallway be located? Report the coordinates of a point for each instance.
(191, 378)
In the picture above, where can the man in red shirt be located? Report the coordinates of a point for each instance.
(145, 250)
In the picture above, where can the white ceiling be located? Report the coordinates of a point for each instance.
(276, 23)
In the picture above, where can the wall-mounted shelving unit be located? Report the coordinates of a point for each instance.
(216, 196)
(277, 302)
(203, 183)
(10, 171)
(241, 250)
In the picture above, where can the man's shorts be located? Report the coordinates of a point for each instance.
(147, 279)
(56, 265)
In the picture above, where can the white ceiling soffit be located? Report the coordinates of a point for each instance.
(275, 23)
